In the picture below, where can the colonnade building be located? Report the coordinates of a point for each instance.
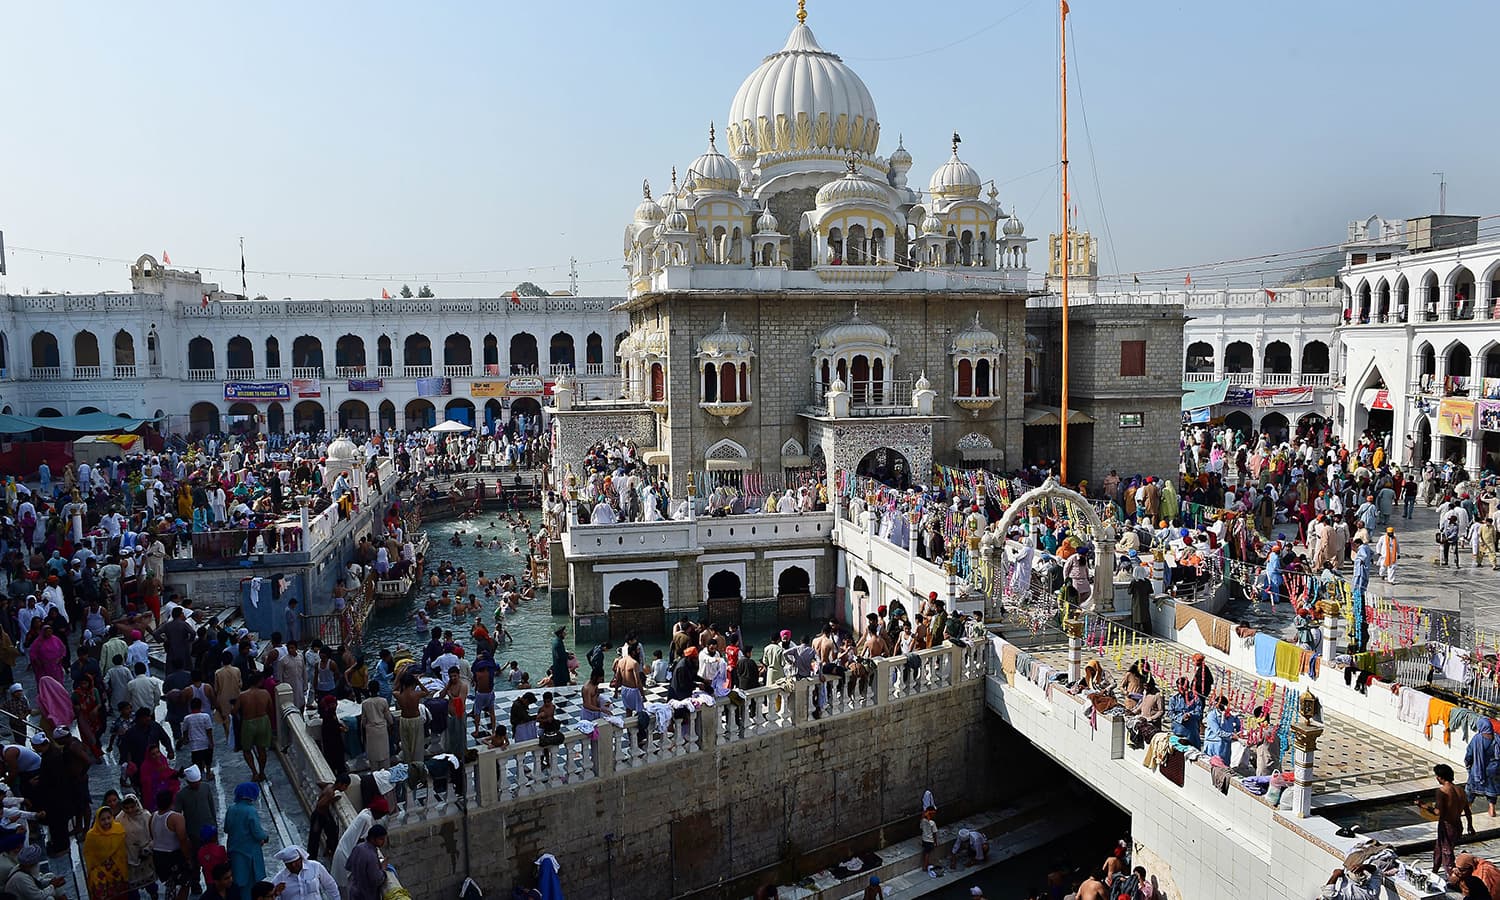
(197, 359)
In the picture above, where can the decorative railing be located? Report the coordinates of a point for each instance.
(125, 371)
(87, 372)
(527, 769)
(385, 371)
(202, 375)
(243, 373)
(349, 371)
(307, 372)
(560, 369)
(459, 371)
(417, 371)
(46, 373)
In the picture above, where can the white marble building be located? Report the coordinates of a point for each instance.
(1273, 346)
(1421, 347)
(178, 349)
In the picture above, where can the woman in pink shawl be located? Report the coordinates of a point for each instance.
(157, 773)
(47, 654)
(55, 701)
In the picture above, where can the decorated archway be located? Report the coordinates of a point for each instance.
(1104, 544)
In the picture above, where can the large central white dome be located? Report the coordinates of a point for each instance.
(804, 100)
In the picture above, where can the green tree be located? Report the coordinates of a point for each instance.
(406, 291)
(527, 289)
(424, 291)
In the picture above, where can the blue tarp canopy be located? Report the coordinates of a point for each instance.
(86, 423)
(1198, 394)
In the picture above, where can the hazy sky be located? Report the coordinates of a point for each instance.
(400, 141)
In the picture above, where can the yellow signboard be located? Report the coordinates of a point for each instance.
(487, 388)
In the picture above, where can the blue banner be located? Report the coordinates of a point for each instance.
(366, 384)
(259, 391)
(434, 387)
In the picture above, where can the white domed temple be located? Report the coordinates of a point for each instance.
(798, 311)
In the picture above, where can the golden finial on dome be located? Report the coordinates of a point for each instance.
(674, 179)
(801, 12)
(852, 163)
(710, 134)
(646, 187)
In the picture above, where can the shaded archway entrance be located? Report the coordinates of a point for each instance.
(243, 418)
(354, 415)
(724, 585)
(1240, 423)
(1372, 408)
(1275, 425)
(636, 605)
(793, 594)
(526, 407)
(887, 467)
(203, 418)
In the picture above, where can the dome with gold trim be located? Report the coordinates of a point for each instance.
(804, 99)
(1014, 227)
(713, 171)
(853, 187)
(649, 211)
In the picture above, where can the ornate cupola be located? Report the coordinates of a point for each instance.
(724, 358)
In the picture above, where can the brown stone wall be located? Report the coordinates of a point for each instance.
(723, 820)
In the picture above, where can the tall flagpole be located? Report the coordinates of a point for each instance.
(1062, 37)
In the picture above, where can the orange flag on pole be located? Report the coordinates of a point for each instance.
(1065, 7)
(1188, 280)
(385, 294)
(1270, 293)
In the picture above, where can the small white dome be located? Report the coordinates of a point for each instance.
(677, 221)
(1014, 227)
(954, 180)
(922, 383)
(900, 158)
(853, 188)
(976, 339)
(342, 450)
(766, 224)
(724, 342)
(649, 211)
(713, 171)
(932, 225)
(854, 331)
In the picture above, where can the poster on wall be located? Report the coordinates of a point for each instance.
(434, 387)
(1456, 418)
(1239, 396)
(525, 386)
(257, 391)
(307, 388)
(366, 385)
(1488, 414)
(1491, 388)
(487, 388)
(1286, 396)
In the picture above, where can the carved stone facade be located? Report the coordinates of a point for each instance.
(844, 444)
(577, 430)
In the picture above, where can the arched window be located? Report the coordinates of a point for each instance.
(877, 381)
(877, 245)
(307, 355)
(860, 375)
(710, 383)
(560, 353)
(153, 349)
(201, 355)
(418, 350)
(594, 353)
(273, 354)
(85, 351)
(383, 358)
(491, 355)
(238, 354)
(965, 378)
(349, 358)
(523, 357)
(835, 247)
(658, 383)
(728, 384)
(982, 378)
(966, 248)
(44, 353)
(855, 253)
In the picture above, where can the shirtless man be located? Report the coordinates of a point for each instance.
(483, 670)
(1452, 803)
(1092, 889)
(409, 700)
(628, 670)
(255, 726)
(1114, 865)
(594, 707)
(824, 644)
